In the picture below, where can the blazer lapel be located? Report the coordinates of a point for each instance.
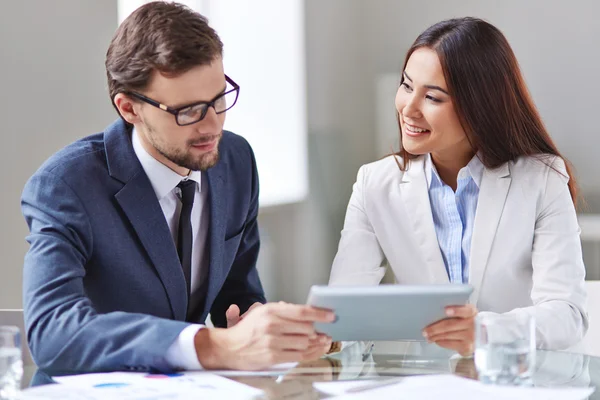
(138, 201)
(492, 197)
(140, 205)
(217, 177)
(415, 197)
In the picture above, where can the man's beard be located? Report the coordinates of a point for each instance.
(185, 159)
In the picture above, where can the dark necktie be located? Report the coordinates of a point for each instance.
(185, 236)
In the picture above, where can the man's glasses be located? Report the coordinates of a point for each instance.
(192, 113)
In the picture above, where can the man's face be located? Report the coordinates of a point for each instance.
(182, 148)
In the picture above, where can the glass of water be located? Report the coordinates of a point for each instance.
(505, 348)
(11, 364)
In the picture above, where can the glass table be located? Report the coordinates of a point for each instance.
(392, 359)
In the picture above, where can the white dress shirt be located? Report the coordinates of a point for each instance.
(182, 353)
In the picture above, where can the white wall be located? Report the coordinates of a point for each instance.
(53, 92)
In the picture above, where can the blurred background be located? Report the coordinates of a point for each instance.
(336, 66)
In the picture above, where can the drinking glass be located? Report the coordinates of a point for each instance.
(505, 348)
(11, 364)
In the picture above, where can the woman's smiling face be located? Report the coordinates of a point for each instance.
(428, 119)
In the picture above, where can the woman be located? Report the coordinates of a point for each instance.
(478, 194)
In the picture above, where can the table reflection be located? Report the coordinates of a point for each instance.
(355, 362)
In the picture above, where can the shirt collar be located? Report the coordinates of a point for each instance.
(474, 169)
(162, 178)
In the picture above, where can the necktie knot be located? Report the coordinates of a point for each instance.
(188, 189)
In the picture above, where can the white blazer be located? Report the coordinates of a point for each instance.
(525, 250)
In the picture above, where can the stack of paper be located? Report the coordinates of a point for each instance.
(447, 387)
(133, 386)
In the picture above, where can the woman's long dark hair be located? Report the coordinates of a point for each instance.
(489, 93)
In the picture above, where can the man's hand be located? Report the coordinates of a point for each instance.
(457, 332)
(271, 334)
(233, 313)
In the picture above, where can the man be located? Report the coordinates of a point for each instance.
(140, 231)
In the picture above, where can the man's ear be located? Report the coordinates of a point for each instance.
(126, 107)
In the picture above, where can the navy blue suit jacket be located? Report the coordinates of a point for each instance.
(103, 286)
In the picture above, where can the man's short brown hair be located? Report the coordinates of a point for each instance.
(167, 37)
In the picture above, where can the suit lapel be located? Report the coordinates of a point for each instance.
(140, 205)
(415, 197)
(492, 197)
(138, 201)
(218, 208)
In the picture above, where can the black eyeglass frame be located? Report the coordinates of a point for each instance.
(175, 111)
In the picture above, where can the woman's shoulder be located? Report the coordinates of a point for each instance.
(385, 164)
(389, 168)
(540, 166)
(390, 164)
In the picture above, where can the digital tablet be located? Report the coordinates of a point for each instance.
(385, 312)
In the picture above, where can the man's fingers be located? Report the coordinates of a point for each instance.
(290, 355)
(281, 326)
(302, 312)
(466, 311)
(301, 342)
(314, 353)
(320, 338)
(233, 311)
(317, 348)
(291, 342)
(233, 315)
(321, 341)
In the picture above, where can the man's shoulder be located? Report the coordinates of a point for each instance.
(235, 150)
(76, 157)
